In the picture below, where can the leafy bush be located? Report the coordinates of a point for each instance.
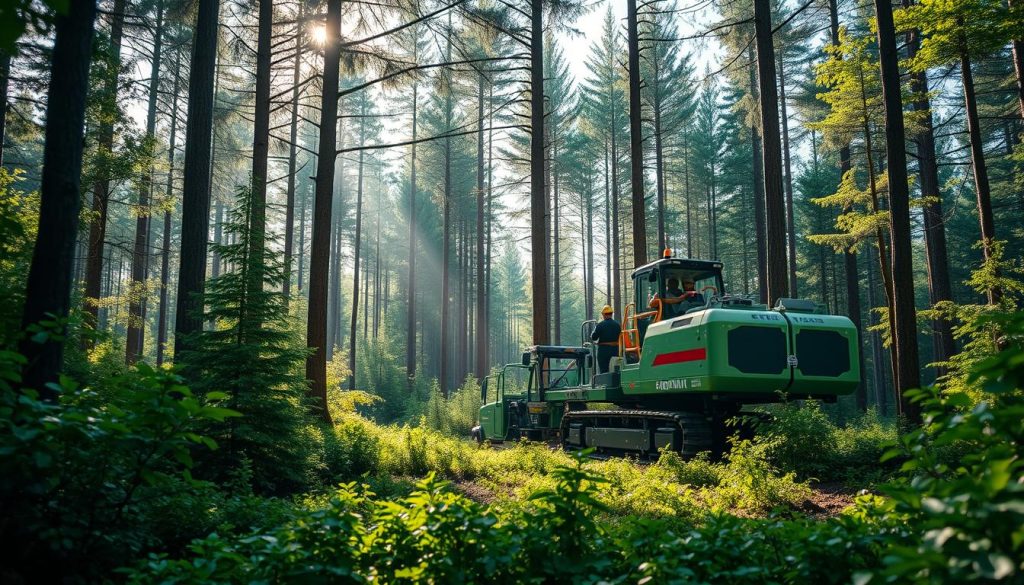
(436, 536)
(969, 512)
(457, 414)
(800, 438)
(750, 482)
(82, 481)
(860, 445)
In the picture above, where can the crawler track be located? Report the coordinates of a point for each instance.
(639, 432)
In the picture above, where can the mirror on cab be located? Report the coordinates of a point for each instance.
(653, 276)
(526, 358)
(483, 390)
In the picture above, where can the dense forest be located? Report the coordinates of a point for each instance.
(261, 259)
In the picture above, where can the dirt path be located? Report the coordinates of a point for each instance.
(828, 500)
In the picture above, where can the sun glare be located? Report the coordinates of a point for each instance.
(319, 34)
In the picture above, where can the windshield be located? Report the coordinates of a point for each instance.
(560, 373)
(516, 378)
(677, 279)
(682, 289)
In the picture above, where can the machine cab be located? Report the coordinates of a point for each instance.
(513, 400)
(671, 287)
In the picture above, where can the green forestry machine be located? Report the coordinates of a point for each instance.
(681, 372)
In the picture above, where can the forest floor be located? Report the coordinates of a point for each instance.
(827, 499)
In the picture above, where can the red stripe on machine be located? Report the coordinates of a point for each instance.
(688, 355)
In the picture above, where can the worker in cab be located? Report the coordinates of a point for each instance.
(677, 300)
(606, 335)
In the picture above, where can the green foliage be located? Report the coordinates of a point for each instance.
(750, 482)
(84, 480)
(802, 439)
(436, 536)
(19, 212)
(252, 357)
(969, 512)
(951, 28)
(457, 414)
(982, 329)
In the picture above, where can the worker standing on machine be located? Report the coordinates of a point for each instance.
(606, 335)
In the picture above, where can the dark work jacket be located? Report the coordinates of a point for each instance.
(607, 330)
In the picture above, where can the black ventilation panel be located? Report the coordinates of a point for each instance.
(822, 353)
(757, 350)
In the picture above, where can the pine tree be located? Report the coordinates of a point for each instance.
(252, 358)
(134, 343)
(961, 32)
(854, 102)
(603, 104)
(669, 91)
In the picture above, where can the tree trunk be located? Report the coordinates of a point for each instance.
(607, 229)
(293, 137)
(5, 75)
(195, 203)
(101, 188)
(556, 243)
(981, 185)
(790, 218)
(482, 366)
(538, 202)
(1017, 53)
(885, 268)
(771, 156)
(853, 308)
(636, 152)
(135, 338)
(48, 291)
(260, 146)
(334, 333)
(490, 216)
(939, 287)
(319, 261)
(446, 256)
(356, 248)
(165, 255)
(462, 272)
(376, 273)
(759, 226)
(616, 228)
(659, 163)
(686, 193)
(905, 333)
(877, 371)
(410, 334)
(590, 250)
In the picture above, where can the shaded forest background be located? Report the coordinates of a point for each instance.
(249, 250)
(423, 267)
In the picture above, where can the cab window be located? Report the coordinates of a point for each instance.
(560, 373)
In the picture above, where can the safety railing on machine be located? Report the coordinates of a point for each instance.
(629, 339)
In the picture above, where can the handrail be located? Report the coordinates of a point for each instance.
(629, 338)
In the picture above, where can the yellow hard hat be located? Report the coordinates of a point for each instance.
(607, 309)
